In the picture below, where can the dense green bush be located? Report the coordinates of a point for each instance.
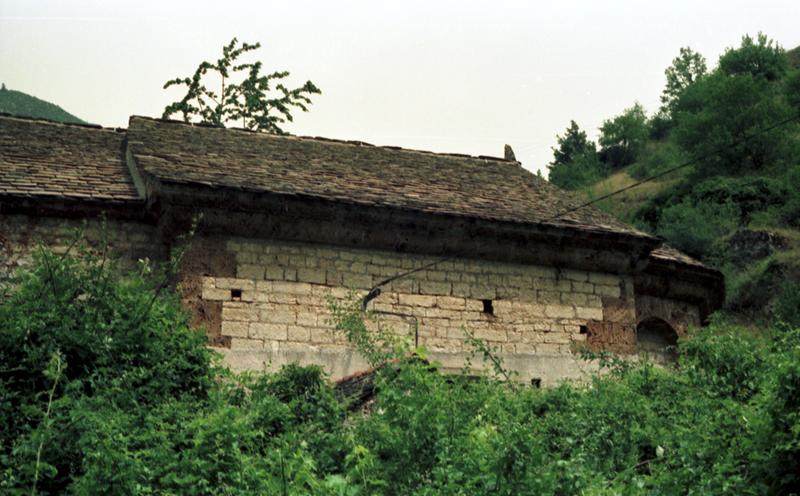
(787, 304)
(656, 159)
(750, 194)
(581, 171)
(725, 365)
(623, 137)
(693, 227)
(73, 329)
(789, 213)
(102, 406)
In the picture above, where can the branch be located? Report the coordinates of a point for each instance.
(57, 358)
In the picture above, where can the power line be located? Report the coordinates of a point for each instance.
(677, 167)
(376, 290)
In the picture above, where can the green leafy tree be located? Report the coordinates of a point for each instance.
(793, 90)
(721, 118)
(623, 138)
(571, 145)
(759, 57)
(575, 162)
(686, 69)
(259, 102)
(583, 170)
(693, 228)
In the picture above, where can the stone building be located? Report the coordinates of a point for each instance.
(288, 221)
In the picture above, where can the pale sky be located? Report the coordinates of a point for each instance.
(451, 76)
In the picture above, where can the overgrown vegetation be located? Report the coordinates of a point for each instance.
(104, 389)
(739, 126)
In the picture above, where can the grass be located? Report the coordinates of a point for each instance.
(625, 204)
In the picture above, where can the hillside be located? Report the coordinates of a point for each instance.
(736, 206)
(21, 104)
(625, 205)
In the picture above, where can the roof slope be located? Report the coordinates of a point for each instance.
(355, 172)
(42, 158)
(669, 254)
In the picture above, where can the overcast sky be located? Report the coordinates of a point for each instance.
(455, 76)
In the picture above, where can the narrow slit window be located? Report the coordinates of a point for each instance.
(488, 307)
(236, 295)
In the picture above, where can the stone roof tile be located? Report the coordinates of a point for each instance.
(479, 187)
(66, 161)
(667, 253)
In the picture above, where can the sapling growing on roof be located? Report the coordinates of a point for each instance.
(254, 102)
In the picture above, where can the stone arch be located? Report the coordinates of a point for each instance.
(679, 315)
(656, 339)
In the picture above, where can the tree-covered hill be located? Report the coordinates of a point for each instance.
(21, 104)
(736, 202)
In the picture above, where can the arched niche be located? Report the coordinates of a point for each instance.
(656, 340)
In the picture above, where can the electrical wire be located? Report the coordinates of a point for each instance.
(376, 291)
(677, 167)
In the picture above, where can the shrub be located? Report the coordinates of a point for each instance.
(660, 125)
(778, 449)
(789, 213)
(693, 228)
(657, 158)
(724, 364)
(725, 421)
(750, 194)
(109, 333)
(787, 303)
(581, 171)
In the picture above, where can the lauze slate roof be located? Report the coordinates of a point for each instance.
(355, 172)
(72, 162)
(47, 160)
(42, 159)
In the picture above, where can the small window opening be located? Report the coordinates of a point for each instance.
(236, 294)
(488, 308)
(584, 329)
(536, 382)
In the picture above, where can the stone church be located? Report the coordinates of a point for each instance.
(288, 222)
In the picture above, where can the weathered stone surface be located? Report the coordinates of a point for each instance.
(235, 328)
(267, 300)
(524, 320)
(610, 336)
(618, 310)
(271, 331)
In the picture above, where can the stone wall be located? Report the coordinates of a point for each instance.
(679, 315)
(276, 305)
(21, 234)
(265, 303)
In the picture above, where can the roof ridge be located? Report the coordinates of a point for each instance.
(330, 140)
(60, 123)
